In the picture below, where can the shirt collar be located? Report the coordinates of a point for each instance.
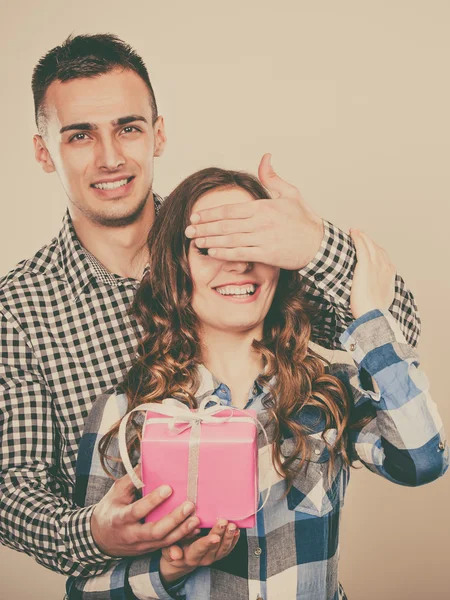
(79, 267)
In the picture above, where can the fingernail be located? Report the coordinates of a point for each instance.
(222, 523)
(190, 231)
(195, 218)
(231, 528)
(192, 524)
(187, 508)
(212, 251)
(200, 242)
(165, 491)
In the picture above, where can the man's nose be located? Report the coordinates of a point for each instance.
(109, 155)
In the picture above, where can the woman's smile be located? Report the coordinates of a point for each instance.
(241, 292)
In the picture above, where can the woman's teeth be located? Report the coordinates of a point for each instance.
(111, 185)
(237, 290)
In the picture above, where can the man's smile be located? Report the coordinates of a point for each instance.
(112, 184)
(111, 188)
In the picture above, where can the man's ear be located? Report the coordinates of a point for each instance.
(160, 136)
(42, 154)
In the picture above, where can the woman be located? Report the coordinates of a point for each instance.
(241, 331)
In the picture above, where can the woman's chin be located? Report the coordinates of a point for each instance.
(239, 326)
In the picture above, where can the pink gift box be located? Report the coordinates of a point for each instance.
(227, 484)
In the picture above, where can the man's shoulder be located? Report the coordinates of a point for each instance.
(32, 273)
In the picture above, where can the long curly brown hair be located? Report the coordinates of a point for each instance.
(170, 350)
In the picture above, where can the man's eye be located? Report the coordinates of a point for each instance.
(130, 129)
(78, 137)
(203, 251)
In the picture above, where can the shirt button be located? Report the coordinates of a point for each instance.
(258, 551)
(319, 276)
(441, 446)
(317, 451)
(352, 347)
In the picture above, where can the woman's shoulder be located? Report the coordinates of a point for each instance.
(106, 410)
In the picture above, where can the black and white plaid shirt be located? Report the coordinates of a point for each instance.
(66, 339)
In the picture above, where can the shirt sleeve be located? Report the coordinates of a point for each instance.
(36, 516)
(131, 577)
(328, 282)
(404, 439)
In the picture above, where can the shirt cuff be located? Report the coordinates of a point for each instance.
(334, 262)
(80, 542)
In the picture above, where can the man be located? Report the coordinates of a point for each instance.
(65, 334)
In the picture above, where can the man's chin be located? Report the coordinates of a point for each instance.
(120, 219)
(115, 214)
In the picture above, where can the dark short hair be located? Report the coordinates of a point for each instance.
(85, 56)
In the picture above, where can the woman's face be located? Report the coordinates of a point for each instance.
(230, 296)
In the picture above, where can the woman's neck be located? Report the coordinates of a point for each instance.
(231, 359)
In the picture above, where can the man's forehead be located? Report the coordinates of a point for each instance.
(99, 99)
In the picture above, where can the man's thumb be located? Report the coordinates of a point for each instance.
(125, 484)
(276, 186)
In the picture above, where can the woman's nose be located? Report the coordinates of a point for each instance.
(237, 266)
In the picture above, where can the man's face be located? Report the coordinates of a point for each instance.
(101, 142)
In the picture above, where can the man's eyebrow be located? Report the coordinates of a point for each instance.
(78, 127)
(129, 119)
(92, 127)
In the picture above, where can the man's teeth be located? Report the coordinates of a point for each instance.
(111, 185)
(237, 290)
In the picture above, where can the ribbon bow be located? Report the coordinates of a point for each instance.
(182, 414)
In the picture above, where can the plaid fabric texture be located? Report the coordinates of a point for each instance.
(65, 339)
(292, 552)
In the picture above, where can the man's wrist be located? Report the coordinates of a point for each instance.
(319, 259)
(96, 533)
(319, 228)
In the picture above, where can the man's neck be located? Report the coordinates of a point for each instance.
(121, 250)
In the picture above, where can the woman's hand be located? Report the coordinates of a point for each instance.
(178, 561)
(374, 278)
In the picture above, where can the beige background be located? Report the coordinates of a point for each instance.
(352, 98)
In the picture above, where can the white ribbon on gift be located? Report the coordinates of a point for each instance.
(177, 413)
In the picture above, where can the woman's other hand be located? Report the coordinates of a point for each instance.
(178, 561)
(374, 278)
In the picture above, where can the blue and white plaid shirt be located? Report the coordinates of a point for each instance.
(292, 552)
